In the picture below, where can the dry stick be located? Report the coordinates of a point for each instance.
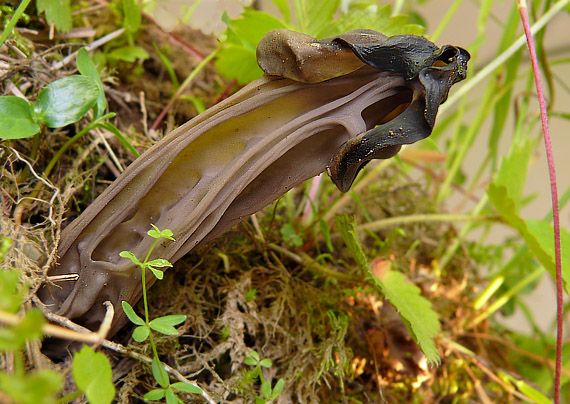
(554, 191)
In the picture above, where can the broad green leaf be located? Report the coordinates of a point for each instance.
(66, 100)
(32, 388)
(141, 333)
(13, 338)
(129, 255)
(186, 387)
(159, 373)
(537, 233)
(315, 15)
(165, 325)
(87, 68)
(16, 119)
(414, 309)
(132, 16)
(128, 54)
(266, 388)
(237, 58)
(92, 375)
(58, 12)
(130, 312)
(249, 361)
(157, 394)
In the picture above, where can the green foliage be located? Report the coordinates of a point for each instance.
(164, 325)
(92, 375)
(58, 12)
(268, 393)
(237, 59)
(414, 309)
(39, 387)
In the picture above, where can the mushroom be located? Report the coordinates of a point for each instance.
(331, 104)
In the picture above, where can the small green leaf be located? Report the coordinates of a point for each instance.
(92, 375)
(131, 256)
(278, 388)
(254, 355)
(141, 333)
(159, 373)
(87, 68)
(128, 54)
(16, 119)
(171, 397)
(259, 400)
(186, 387)
(158, 273)
(535, 395)
(165, 324)
(156, 394)
(266, 388)
(31, 388)
(58, 12)
(29, 327)
(66, 100)
(266, 363)
(159, 262)
(130, 312)
(132, 16)
(11, 293)
(250, 361)
(290, 236)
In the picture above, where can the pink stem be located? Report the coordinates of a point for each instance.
(554, 192)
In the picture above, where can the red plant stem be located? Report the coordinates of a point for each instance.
(554, 191)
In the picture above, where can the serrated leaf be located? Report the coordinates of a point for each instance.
(87, 68)
(278, 388)
(141, 333)
(16, 119)
(130, 312)
(381, 21)
(156, 394)
(66, 100)
(266, 388)
(92, 374)
(41, 387)
(186, 387)
(538, 234)
(415, 310)
(236, 58)
(58, 12)
(314, 15)
(159, 373)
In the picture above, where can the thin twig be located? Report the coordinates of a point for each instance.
(554, 192)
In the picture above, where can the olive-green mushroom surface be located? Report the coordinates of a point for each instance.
(332, 104)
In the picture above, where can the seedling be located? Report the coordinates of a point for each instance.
(269, 394)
